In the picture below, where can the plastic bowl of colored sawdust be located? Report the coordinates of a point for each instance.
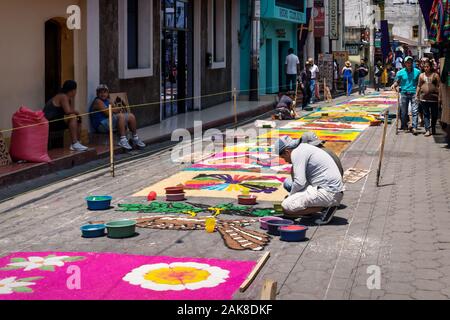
(293, 233)
(247, 200)
(96, 203)
(275, 225)
(176, 197)
(121, 229)
(263, 222)
(175, 190)
(93, 231)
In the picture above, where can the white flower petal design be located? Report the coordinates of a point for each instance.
(39, 262)
(7, 285)
(194, 275)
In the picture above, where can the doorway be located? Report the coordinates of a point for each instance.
(52, 59)
(59, 56)
(283, 48)
(176, 58)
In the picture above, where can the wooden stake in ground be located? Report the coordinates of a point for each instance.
(269, 291)
(386, 115)
(111, 141)
(251, 277)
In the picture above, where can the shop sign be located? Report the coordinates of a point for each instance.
(333, 8)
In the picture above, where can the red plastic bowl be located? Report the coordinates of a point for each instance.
(175, 190)
(176, 197)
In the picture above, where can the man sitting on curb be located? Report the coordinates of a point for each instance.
(316, 180)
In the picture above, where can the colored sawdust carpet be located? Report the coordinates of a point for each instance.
(250, 166)
(243, 161)
(223, 184)
(194, 208)
(339, 116)
(234, 232)
(107, 276)
(326, 135)
(357, 107)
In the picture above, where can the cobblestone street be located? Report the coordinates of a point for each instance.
(401, 227)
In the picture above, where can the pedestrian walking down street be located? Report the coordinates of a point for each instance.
(347, 74)
(292, 70)
(428, 96)
(407, 79)
(314, 76)
(305, 84)
(363, 71)
(378, 73)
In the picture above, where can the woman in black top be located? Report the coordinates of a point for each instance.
(60, 112)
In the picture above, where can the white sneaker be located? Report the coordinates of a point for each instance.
(124, 144)
(138, 142)
(77, 146)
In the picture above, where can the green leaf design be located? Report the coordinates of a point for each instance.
(16, 260)
(22, 290)
(47, 268)
(30, 279)
(11, 268)
(73, 259)
(50, 256)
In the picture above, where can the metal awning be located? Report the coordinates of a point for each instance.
(409, 42)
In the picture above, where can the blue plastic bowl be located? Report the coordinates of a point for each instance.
(96, 203)
(274, 225)
(293, 233)
(93, 231)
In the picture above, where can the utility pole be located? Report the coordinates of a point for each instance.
(254, 63)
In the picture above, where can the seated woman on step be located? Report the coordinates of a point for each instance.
(62, 114)
(99, 113)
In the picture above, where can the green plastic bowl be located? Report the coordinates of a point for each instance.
(121, 229)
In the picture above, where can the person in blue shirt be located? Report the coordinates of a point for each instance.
(99, 114)
(407, 79)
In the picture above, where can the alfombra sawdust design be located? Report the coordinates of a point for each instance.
(223, 184)
(234, 232)
(110, 276)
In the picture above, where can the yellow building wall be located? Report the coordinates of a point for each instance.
(22, 55)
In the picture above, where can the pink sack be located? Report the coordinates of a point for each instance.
(29, 142)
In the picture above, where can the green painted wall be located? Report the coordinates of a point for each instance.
(269, 51)
(274, 64)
